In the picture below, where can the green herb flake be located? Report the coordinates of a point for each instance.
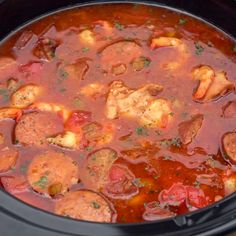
(63, 74)
(119, 26)
(137, 182)
(176, 142)
(78, 103)
(234, 48)
(62, 90)
(171, 113)
(89, 148)
(146, 61)
(23, 168)
(198, 49)
(166, 157)
(141, 131)
(41, 182)
(85, 49)
(182, 21)
(196, 184)
(96, 205)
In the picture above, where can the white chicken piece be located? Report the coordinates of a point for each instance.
(229, 185)
(92, 89)
(86, 37)
(67, 140)
(25, 96)
(140, 104)
(51, 107)
(212, 84)
(175, 43)
(9, 113)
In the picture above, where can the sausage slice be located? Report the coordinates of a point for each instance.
(189, 129)
(52, 173)
(85, 205)
(94, 173)
(229, 146)
(34, 128)
(8, 158)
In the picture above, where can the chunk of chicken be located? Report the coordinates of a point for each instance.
(212, 84)
(67, 140)
(117, 56)
(93, 89)
(157, 113)
(76, 71)
(229, 146)
(167, 42)
(25, 96)
(140, 104)
(229, 110)
(9, 113)
(86, 37)
(189, 129)
(229, 184)
(175, 43)
(51, 107)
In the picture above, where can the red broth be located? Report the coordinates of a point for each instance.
(118, 113)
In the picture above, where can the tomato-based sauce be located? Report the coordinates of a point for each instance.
(118, 113)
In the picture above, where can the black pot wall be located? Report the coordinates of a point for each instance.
(17, 218)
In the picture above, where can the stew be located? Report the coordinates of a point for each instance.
(118, 113)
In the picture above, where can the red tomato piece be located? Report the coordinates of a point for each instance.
(196, 197)
(31, 69)
(14, 184)
(154, 212)
(174, 196)
(77, 119)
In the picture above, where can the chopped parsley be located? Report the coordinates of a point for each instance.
(137, 182)
(23, 168)
(119, 26)
(198, 49)
(96, 205)
(5, 94)
(146, 61)
(85, 49)
(78, 103)
(62, 90)
(234, 48)
(176, 142)
(63, 74)
(141, 131)
(171, 113)
(166, 157)
(182, 21)
(41, 182)
(196, 184)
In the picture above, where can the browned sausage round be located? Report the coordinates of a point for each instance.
(85, 205)
(8, 159)
(115, 57)
(94, 172)
(33, 128)
(52, 173)
(229, 146)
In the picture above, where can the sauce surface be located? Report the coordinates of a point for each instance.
(118, 113)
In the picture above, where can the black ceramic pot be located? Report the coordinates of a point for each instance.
(19, 219)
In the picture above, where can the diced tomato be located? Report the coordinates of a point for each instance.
(196, 197)
(120, 184)
(31, 69)
(178, 193)
(154, 212)
(14, 184)
(77, 119)
(174, 196)
(116, 173)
